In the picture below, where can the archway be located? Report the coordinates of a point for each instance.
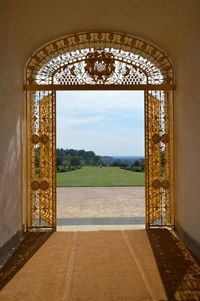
(99, 61)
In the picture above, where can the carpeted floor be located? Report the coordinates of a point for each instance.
(101, 266)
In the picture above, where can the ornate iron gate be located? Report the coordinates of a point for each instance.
(41, 174)
(159, 173)
(99, 61)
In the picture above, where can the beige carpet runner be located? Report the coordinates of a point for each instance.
(103, 266)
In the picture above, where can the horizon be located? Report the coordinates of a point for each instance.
(113, 156)
(104, 121)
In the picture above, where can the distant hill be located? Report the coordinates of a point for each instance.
(70, 157)
(128, 160)
(128, 157)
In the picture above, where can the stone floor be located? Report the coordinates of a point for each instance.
(85, 206)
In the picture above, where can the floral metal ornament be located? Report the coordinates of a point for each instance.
(63, 61)
(100, 65)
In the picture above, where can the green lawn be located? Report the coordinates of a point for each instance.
(95, 176)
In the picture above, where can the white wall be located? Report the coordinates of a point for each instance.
(11, 118)
(173, 25)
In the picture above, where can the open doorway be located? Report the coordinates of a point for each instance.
(99, 61)
(100, 160)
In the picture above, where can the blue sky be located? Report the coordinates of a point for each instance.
(106, 122)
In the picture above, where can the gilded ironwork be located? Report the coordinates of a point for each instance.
(100, 65)
(64, 60)
(159, 158)
(99, 60)
(42, 159)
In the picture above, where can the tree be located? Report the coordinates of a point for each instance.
(118, 163)
(87, 158)
(75, 161)
(58, 161)
(136, 163)
(65, 163)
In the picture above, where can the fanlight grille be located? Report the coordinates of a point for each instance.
(109, 66)
(99, 58)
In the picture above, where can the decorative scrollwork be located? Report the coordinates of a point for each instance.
(165, 184)
(165, 138)
(156, 138)
(44, 139)
(35, 139)
(100, 65)
(42, 160)
(35, 185)
(44, 185)
(99, 58)
(158, 158)
(156, 184)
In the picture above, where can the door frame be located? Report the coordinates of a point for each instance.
(159, 114)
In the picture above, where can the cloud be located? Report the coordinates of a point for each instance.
(107, 122)
(101, 100)
(66, 122)
(101, 143)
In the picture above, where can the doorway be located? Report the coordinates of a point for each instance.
(99, 61)
(100, 160)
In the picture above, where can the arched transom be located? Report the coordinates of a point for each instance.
(99, 58)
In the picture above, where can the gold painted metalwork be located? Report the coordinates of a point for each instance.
(159, 158)
(63, 61)
(63, 87)
(42, 201)
(100, 65)
(99, 61)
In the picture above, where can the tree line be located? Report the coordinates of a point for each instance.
(68, 159)
(138, 165)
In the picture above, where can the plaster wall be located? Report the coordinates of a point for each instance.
(172, 25)
(11, 119)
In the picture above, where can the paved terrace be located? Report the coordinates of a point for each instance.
(79, 208)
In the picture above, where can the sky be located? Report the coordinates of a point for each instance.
(110, 123)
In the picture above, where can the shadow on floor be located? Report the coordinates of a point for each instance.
(179, 271)
(28, 247)
(101, 221)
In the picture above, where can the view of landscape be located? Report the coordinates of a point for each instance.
(84, 168)
(100, 158)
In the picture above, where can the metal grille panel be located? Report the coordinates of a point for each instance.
(41, 155)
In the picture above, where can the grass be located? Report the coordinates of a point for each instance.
(99, 177)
